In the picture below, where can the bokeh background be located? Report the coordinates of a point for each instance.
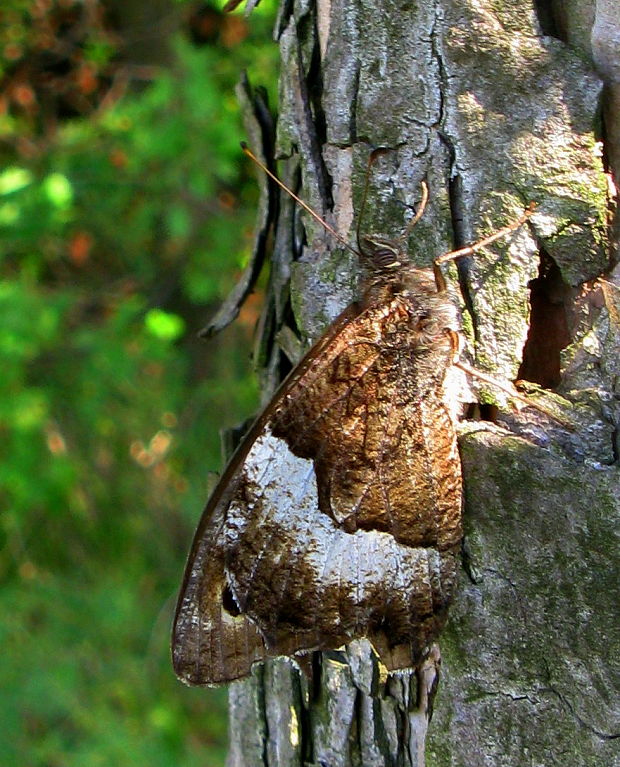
(126, 212)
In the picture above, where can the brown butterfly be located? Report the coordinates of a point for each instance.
(339, 515)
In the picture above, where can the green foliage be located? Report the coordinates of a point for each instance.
(116, 243)
(86, 678)
(56, 59)
(164, 325)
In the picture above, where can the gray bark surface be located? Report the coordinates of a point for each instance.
(495, 104)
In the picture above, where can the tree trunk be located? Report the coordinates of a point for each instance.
(495, 104)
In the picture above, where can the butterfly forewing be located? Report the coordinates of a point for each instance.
(339, 516)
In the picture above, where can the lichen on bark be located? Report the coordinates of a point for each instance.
(532, 646)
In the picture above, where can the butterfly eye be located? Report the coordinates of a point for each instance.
(382, 254)
(386, 258)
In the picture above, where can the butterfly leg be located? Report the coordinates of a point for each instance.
(456, 339)
(511, 391)
(503, 232)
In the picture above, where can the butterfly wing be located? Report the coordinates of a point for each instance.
(212, 641)
(336, 518)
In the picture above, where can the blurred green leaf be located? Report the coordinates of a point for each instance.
(57, 188)
(29, 409)
(9, 213)
(179, 221)
(163, 325)
(14, 179)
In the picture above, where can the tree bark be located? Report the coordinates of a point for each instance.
(495, 104)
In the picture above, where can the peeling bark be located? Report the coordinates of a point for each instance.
(495, 104)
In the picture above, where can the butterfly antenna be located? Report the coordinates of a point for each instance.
(358, 231)
(298, 200)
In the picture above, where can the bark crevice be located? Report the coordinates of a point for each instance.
(548, 333)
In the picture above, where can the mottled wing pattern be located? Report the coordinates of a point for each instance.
(372, 418)
(337, 518)
(212, 642)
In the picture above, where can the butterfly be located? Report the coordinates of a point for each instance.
(339, 515)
